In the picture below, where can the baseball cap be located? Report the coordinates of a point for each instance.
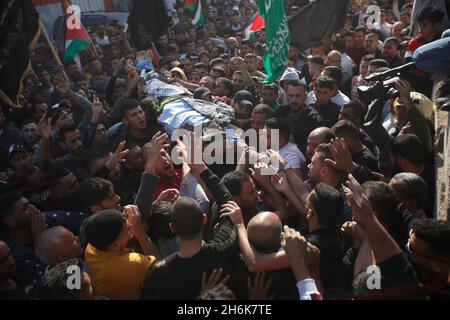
(242, 95)
(17, 148)
(201, 92)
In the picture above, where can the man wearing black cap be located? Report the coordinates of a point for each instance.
(118, 273)
(203, 93)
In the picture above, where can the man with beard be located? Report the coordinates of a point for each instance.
(428, 250)
(22, 224)
(300, 118)
(70, 140)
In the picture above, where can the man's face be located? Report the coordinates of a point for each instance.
(269, 96)
(99, 82)
(397, 29)
(22, 212)
(349, 42)
(334, 60)
(314, 140)
(133, 159)
(219, 88)
(245, 48)
(164, 166)
(248, 197)
(371, 44)
(70, 245)
(101, 136)
(389, 50)
(348, 113)
(135, 118)
(96, 65)
(73, 143)
(315, 168)
(112, 201)
(258, 121)
(430, 266)
(401, 116)
(238, 81)
(41, 109)
(83, 85)
(66, 118)
(364, 68)
(426, 28)
(316, 51)
(163, 41)
(19, 158)
(207, 82)
(360, 38)
(296, 97)
(323, 95)
(250, 64)
(30, 132)
(7, 262)
(405, 18)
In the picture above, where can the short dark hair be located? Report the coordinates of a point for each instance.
(431, 14)
(317, 60)
(279, 124)
(345, 128)
(264, 108)
(234, 180)
(271, 86)
(335, 73)
(361, 29)
(382, 199)
(412, 186)
(368, 57)
(327, 203)
(93, 190)
(66, 129)
(127, 104)
(187, 218)
(324, 82)
(409, 147)
(394, 40)
(436, 233)
(159, 221)
(53, 286)
(357, 106)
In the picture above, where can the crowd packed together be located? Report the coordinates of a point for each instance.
(89, 181)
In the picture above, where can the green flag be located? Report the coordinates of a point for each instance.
(277, 38)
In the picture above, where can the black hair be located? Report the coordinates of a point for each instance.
(264, 108)
(187, 218)
(379, 63)
(159, 221)
(431, 14)
(317, 60)
(357, 106)
(383, 200)
(409, 147)
(279, 124)
(327, 203)
(127, 104)
(324, 82)
(335, 73)
(234, 180)
(394, 40)
(7, 202)
(345, 128)
(66, 129)
(93, 190)
(436, 233)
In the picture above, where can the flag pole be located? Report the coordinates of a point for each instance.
(54, 52)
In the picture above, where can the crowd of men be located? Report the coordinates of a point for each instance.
(88, 181)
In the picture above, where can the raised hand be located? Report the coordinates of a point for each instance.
(190, 152)
(354, 231)
(273, 155)
(358, 201)
(45, 128)
(280, 183)
(152, 150)
(295, 245)
(63, 87)
(259, 289)
(133, 217)
(214, 280)
(118, 156)
(256, 173)
(232, 210)
(169, 195)
(38, 223)
(342, 157)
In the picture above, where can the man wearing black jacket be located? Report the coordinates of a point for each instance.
(179, 275)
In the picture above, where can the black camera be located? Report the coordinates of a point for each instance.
(385, 86)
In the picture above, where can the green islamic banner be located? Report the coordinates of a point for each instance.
(277, 38)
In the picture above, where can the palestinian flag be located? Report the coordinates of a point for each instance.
(77, 38)
(195, 6)
(257, 23)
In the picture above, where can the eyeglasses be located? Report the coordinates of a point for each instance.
(410, 251)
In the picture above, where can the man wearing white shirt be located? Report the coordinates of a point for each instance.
(335, 58)
(339, 98)
(383, 26)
